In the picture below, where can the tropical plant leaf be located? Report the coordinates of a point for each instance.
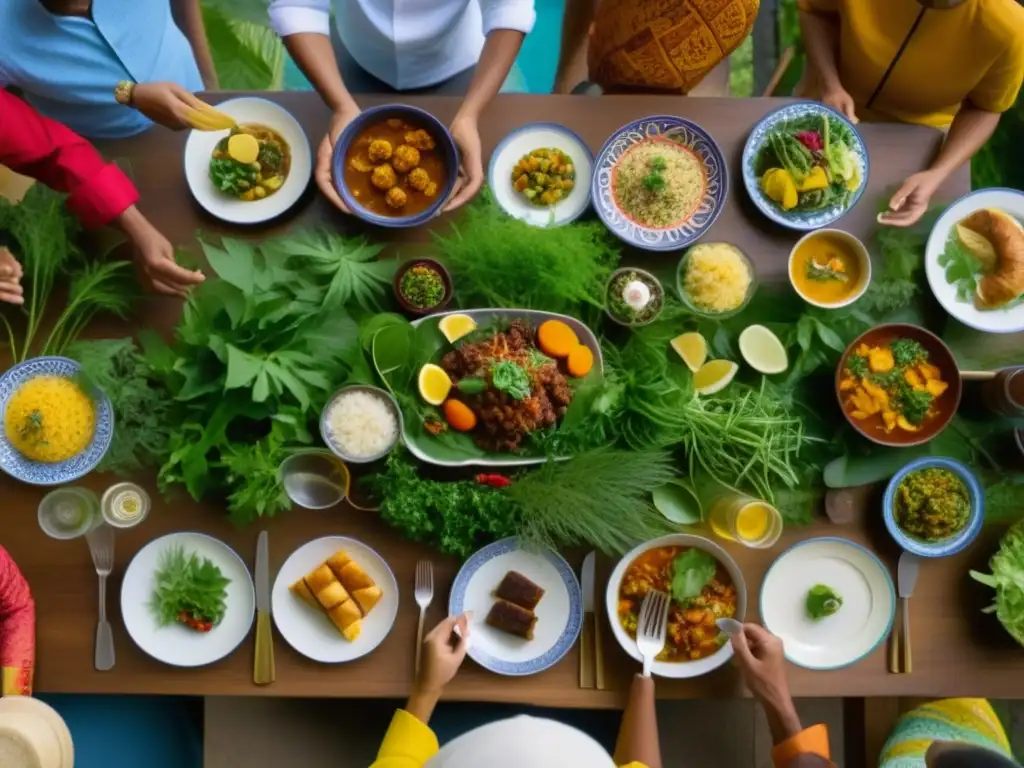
(246, 55)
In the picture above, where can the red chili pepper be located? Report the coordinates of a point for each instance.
(192, 622)
(495, 481)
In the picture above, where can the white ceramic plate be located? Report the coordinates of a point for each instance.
(846, 637)
(676, 669)
(176, 644)
(307, 629)
(993, 320)
(524, 140)
(199, 148)
(559, 612)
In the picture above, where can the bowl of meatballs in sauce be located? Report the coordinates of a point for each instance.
(395, 166)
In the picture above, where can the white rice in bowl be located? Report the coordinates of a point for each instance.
(361, 424)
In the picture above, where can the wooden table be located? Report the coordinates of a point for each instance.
(957, 651)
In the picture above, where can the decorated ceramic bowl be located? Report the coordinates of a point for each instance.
(660, 146)
(57, 473)
(802, 221)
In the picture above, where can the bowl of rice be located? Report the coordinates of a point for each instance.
(361, 423)
(715, 280)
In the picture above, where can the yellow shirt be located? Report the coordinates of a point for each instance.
(410, 744)
(972, 52)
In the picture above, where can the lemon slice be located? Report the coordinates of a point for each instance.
(762, 350)
(243, 148)
(692, 348)
(454, 327)
(434, 384)
(714, 376)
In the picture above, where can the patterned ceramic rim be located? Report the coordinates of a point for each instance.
(37, 472)
(689, 135)
(954, 544)
(445, 144)
(574, 621)
(802, 222)
(557, 127)
(881, 567)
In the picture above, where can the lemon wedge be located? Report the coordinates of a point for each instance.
(714, 376)
(434, 384)
(243, 148)
(454, 327)
(762, 350)
(692, 348)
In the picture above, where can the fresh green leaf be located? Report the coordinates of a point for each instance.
(1007, 578)
(822, 601)
(691, 571)
(188, 583)
(678, 502)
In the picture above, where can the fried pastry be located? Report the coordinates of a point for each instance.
(367, 597)
(512, 618)
(343, 590)
(345, 615)
(353, 577)
(300, 589)
(518, 589)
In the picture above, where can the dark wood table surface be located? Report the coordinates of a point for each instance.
(957, 651)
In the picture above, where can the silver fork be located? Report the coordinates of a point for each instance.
(424, 595)
(101, 545)
(651, 627)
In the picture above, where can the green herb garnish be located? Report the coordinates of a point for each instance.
(858, 365)
(189, 584)
(510, 378)
(822, 601)
(658, 163)
(691, 571)
(422, 287)
(908, 352)
(654, 182)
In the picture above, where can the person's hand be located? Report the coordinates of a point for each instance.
(442, 657)
(911, 200)
(760, 656)
(10, 278)
(166, 103)
(840, 100)
(325, 153)
(466, 133)
(154, 256)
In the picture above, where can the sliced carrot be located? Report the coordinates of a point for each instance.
(556, 339)
(459, 416)
(580, 361)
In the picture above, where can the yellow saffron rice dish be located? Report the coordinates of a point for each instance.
(715, 278)
(50, 419)
(659, 184)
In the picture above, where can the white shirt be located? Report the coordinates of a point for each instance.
(406, 43)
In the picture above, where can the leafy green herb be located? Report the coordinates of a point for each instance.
(825, 273)
(658, 163)
(499, 261)
(691, 571)
(962, 268)
(654, 182)
(510, 378)
(913, 403)
(232, 177)
(822, 601)
(190, 584)
(907, 352)
(858, 365)
(1007, 578)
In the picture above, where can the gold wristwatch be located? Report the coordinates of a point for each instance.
(123, 92)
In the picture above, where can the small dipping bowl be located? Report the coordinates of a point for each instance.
(124, 505)
(388, 401)
(446, 279)
(315, 479)
(952, 544)
(639, 273)
(685, 297)
(855, 245)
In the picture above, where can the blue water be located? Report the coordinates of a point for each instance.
(537, 60)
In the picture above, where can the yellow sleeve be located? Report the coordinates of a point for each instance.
(407, 744)
(813, 740)
(818, 6)
(635, 765)
(1000, 85)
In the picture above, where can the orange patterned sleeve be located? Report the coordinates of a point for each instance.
(813, 740)
(17, 629)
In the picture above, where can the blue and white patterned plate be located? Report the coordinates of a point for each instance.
(559, 612)
(687, 134)
(37, 472)
(808, 220)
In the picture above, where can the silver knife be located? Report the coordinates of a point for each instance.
(588, 639)
(906, 578)
(263, 667)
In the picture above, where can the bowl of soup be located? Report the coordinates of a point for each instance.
(829, 268)
(395, 166)
(705, 585)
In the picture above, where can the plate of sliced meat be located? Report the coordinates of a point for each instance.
(334, 599)
(527, 607)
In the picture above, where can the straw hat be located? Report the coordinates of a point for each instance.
(33, 735)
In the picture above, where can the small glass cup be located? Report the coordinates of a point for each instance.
(69, 512)
(754, 523)
(124, 505)
(315, 479)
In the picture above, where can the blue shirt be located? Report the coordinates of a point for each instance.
(68, 66)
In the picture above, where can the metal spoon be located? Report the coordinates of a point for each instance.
(730, 626)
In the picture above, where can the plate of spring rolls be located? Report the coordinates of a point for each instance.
(527, 607)
(334, 599)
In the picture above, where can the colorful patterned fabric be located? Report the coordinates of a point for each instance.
(967, 721)
(664, 45)
(17, 629)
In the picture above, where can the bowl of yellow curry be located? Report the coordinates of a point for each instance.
(898, 385)
(55, 430)
(829, 268)
(934, 507)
